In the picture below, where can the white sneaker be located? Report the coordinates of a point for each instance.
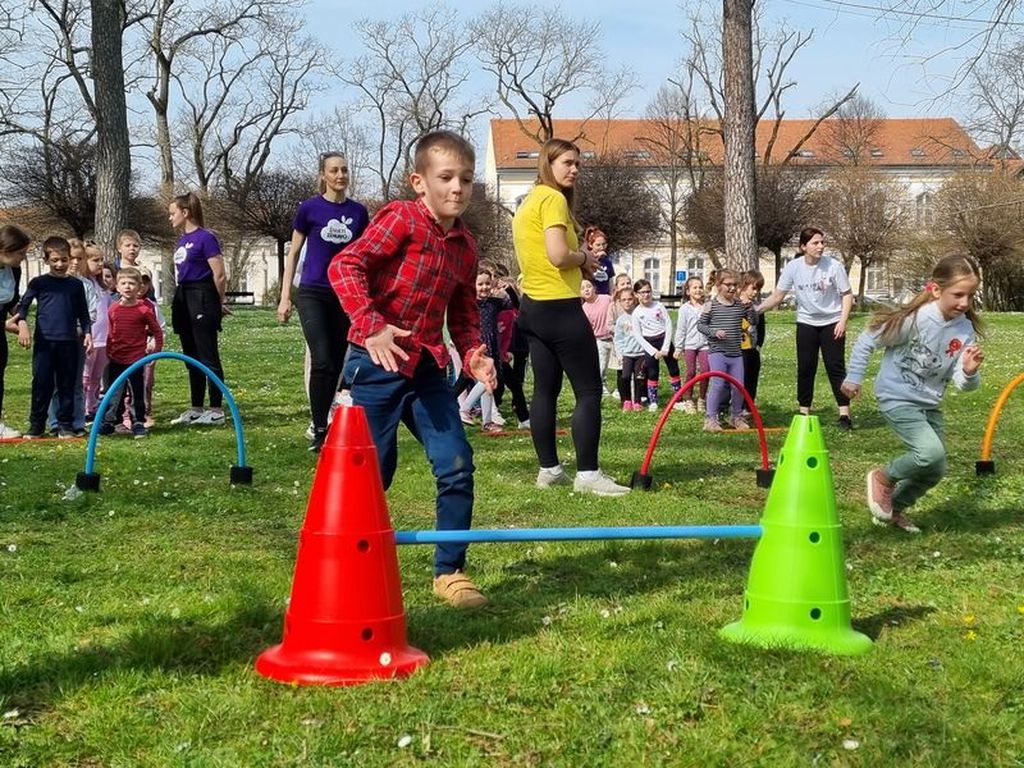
(652, 407)
(210, 416)
(547, 478)
(8, 433)
(614, 393)
(310, 431)
(599, 485)
(680, 406)
(689, 406)
(497, 418)
(524, 424)
(188, 417)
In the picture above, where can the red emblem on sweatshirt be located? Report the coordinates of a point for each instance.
(954, 347)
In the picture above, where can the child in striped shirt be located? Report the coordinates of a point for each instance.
(721, 323)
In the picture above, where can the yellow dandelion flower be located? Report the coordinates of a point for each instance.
(971, 635)
(970, 620)
(1020, 610)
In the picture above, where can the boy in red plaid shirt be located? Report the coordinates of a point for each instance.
(415, 264)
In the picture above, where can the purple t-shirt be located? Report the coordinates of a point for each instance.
(328, 228)
(192, 256)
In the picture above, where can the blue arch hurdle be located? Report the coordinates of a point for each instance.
(89, 480)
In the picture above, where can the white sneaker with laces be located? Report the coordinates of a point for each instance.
(8, 433)
(210, 416)
(599, 484)
(550, 477)
(310, 431)
(497, 418)
(188, 417)
(525, 424)
(652, 407)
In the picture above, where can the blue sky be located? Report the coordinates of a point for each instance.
(851, 44)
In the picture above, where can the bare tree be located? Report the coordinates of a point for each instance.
(984, 215)
(411, 81)
(628, 220)
(491, 225)
(171, 28)
(849, 136)
(750, 59)
(673, 138)
(863, 212)
(997, 99)
(540, 57)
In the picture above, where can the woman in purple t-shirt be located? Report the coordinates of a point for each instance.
(325, 224)
(198, 305)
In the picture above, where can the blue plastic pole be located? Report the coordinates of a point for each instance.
(581, 534)
(94, 433)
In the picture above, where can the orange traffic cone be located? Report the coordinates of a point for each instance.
(345, 623)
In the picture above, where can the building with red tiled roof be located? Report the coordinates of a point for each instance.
(920, 153)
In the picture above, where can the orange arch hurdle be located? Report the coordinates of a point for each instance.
(985, 466)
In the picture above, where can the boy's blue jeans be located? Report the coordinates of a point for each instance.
(426, 405)
(921, 468)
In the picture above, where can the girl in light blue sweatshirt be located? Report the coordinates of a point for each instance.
(927, 342)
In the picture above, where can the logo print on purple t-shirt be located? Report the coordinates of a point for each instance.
(336, 231)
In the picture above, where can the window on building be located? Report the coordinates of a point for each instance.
(588, 154)
(695, 266)
(849, 153)
(958, 153)
(917, 152)
(636, 154)
(924, 210)
(876, 152)
(527, 154)
(652, 272)
(622, 261)
(876, 277)
(805, 153)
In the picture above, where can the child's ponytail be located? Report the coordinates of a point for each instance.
(948, 270)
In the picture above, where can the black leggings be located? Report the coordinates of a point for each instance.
(325, 326)
(195, 315)
(562, 341)
(513, 375)
(810, 339)
(136, 385)
(651, 362)
(3, 360)
(630, 386)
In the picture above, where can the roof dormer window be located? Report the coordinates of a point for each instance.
(917, 152)
(527, 154)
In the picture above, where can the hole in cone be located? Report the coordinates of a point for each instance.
(366, 634)
(815, 537)
(815, 613)
(363, 545)
(812, 462)
(358, 459)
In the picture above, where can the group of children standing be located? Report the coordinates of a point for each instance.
(93, 320)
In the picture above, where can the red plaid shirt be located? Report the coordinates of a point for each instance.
(408, 272)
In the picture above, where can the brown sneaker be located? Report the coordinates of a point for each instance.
(879, 495)
(458, 590)
(712, 425)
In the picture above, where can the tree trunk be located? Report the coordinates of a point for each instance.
(113, 159)
(280, 259)
(673, 256)
(778, 265)
(738, 134)
(862, 281)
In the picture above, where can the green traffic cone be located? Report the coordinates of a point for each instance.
(796, 592)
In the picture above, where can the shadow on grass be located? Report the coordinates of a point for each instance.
(894, 616)
(170, 645)
(533, 589)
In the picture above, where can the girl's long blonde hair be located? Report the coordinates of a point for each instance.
(948, 271)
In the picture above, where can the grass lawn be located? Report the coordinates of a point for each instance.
(130, 619)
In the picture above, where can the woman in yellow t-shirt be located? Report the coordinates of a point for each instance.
(551, 318)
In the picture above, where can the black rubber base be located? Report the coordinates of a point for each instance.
(765, 478)
(643, 482)
(984, 467)
(88, 481)
(241, 475)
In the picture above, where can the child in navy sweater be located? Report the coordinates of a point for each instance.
(62, 304)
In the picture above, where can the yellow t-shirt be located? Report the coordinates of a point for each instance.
(543, 208)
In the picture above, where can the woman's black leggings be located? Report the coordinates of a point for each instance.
(562, 341)
(196, 314)
(3, 360)
(810, 339)
(325, 326)
(512, 376)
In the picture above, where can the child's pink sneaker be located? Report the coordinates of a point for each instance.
(627, 406)
(638, 406)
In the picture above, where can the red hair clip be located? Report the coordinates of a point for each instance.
(930, 286)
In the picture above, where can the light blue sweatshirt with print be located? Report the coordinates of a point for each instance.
(920, 362)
